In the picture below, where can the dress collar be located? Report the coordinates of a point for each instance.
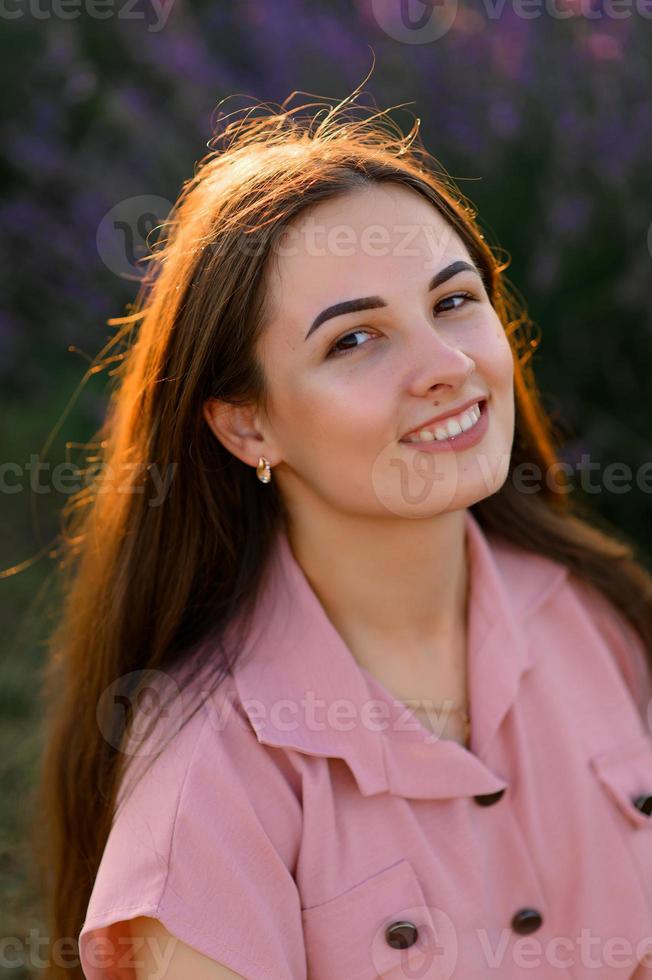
(301, 687)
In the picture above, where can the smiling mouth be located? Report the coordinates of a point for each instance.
(449, 428)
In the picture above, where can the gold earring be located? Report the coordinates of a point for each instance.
(263, 470)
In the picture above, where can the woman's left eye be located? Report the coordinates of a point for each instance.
(454, 296)
(333, 351)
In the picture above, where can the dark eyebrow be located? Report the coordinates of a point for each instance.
(373, 302)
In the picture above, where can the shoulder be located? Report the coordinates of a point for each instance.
(561, 604)
(205, 838)
(530, 578)
(624, 642)
(211, 764)
(203, 736)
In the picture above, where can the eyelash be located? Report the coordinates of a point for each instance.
(331, 352)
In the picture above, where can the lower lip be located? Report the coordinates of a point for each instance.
(455, 443)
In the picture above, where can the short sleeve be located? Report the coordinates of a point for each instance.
(204, 841)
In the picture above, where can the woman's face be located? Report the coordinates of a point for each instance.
(344, 394)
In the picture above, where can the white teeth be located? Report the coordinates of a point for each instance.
(451, 427)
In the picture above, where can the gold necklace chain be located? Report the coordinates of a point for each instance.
(465, 718)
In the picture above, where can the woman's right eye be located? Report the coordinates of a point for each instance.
(332, 350)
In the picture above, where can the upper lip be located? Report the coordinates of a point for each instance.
(446, 415)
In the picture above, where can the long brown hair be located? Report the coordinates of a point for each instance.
(150, 582)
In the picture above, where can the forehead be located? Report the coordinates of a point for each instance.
(374, 240)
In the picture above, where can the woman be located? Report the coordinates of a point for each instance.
(342, 689)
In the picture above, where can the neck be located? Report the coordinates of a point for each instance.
(397, 588)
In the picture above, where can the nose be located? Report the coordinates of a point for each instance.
(431, 362)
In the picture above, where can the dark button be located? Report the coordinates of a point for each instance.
(526, 920)
(486, 799)
(400, 935)
(644, 804)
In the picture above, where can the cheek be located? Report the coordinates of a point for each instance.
(345, 410)
(502, 382)
(334, 414)
(497, 356)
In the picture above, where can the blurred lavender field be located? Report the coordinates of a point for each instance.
(545, 122)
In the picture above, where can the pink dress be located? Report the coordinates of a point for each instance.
(304, 824)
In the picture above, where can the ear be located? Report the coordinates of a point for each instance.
(236, 427)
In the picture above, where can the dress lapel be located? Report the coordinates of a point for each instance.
(302, 688)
